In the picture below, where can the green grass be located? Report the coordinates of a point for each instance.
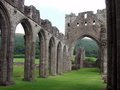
(22, 60)
(91, 59)
(18, 71)
(84, 79)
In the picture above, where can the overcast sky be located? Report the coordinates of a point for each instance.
(55, 10)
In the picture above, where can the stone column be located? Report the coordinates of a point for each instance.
(42, 72)
(68, 60)
(32, 61)
(64, 58)
(104, 57)
(112, 32)
(47, 57)
(51, 57)
(117, 6)
(53, 60)
(10, 55)
(3, 57)
(61, 61)
(103, 47)
(27, 58)
(59, 57)
(80, 55)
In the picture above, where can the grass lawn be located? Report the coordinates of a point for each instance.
(84, 79)
(22, 60)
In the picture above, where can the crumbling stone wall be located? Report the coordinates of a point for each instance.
(79, 58)
(88, 24)
(13, 12)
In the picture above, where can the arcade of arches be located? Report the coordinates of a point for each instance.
(55, 47)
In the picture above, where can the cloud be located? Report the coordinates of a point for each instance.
(68, 5)
(19, 29)
(55, 10)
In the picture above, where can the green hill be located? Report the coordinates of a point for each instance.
(90, 46)
(19, 45)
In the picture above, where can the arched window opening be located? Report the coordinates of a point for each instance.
(51, 56)
(19, 52)
(23, 51)
(59, 59)
(85, 51)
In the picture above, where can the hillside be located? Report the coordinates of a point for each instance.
(19, 44)
(90, 46)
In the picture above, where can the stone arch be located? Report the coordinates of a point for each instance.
(98, 42)
(78, 26)
(87, 35)
(59, 59)
(26, 25)
(42, 45)
(29, 52)
(51, 61)
(71, 48)
(5, 52)
(64, 58)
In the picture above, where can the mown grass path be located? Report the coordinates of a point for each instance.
(84, 79)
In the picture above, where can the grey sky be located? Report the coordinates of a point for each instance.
(55, 10)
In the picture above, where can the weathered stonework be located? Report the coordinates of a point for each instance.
(90, 25)
(13, 12)
(113, 32)
(79, 58)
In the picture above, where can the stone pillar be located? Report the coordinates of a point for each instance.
(53, 60)
(52, 57)
(104, 59)
(10, 55)
(3, 56)
(61, 62)
(47, 57)
(64, 58)
(45, 63)
(68, 62)
(65, 62)
(58, 59)
(103, 46)
(42, 72)
(80, 56)
(117, 3)
(113, 28)
(27, 58)
(32, 61)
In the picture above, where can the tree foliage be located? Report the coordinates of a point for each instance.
(90, 46)
(19, 45)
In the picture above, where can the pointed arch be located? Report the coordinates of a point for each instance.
(59, 59)
(5, 48)
(51, 56)
(42, 54)
(29, 49)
